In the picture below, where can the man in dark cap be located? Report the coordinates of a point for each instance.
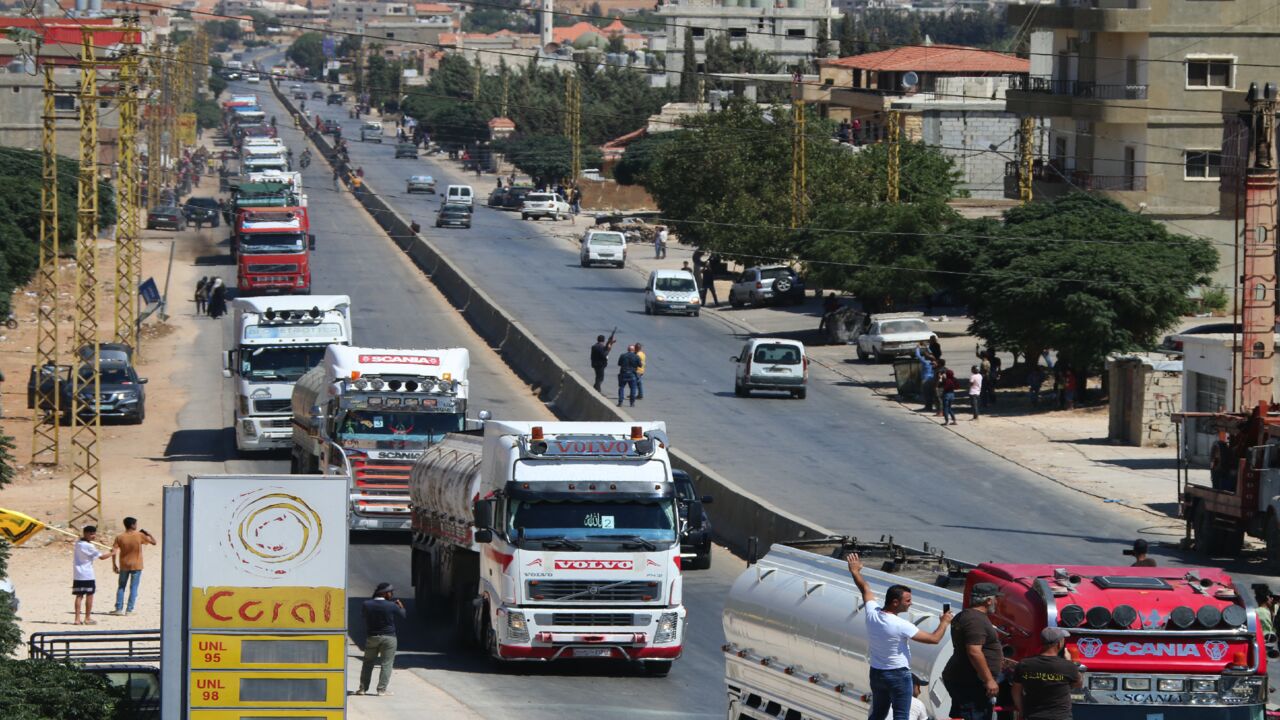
(970, 674)
(380, 613)
(1139, 553)
(1042, 683)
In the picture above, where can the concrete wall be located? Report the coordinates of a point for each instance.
(966, 136)
(1144, 394)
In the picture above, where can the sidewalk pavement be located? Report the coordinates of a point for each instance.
(411, 696)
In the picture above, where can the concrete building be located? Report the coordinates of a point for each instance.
(948, 96)
(1135, 91)
(787, 30)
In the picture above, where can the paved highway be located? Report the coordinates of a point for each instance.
(841, 458)
(395, 306)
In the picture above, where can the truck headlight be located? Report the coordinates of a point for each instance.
(1104, 683)
(1204, 685)
(668, 625)
(517, 628)
(1171, 685)
(247, 426)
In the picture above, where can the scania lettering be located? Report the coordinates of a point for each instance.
(280, 339)
(359, 415)
(544, 556)
(274, 246)
(1173, 643)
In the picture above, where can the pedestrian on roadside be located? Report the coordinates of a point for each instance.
(1266, 603)
(225, 208)
(709, 284)
(83, 581)
(1042, 684)
(684, 267)
(697, 263)
(928, 380)
(380, 613)
(829, 305)
(660, 243)
(970, 676)
(1069, 387)
(889, 647)
(199, 219)
(640, 371)
(935, 348)
(918, 711)
(600, 359)
(202, 294)
(1139, 553)
(991, 375)
(939, 371)
(975, 389)
(128, 563)
(949, 387)
(218, 299)
(1035, 378)
(628, 366)
(337, 177)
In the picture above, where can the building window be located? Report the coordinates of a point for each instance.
(698, 32)
(391, 36)
(1202, 164)
(1210, 72)
(795, 33)
(64, 102)
(737, 33)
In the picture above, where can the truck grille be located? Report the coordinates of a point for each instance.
(632, 591)
(278, 423)
(591, 620)
(272, 406)
(272, 268)
(381, 473)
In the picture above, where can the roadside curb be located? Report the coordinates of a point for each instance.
(737, 514)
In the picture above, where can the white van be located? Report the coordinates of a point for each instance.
(602, 246)
(774, 364)
(458, 195)
(671, 291)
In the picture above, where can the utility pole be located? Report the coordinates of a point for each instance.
(128, 242)
(1026, 133)
(573, 123)
(799, 191)
(1258, 314)
(47, 415)
(506, 89)
(86, 417)
(894, 148)
(155, 127)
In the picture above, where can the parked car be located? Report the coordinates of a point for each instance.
(120, 391)
(318, 95)
(672, 291)
(299, 94)
(166, 216)
(771, 364)
(516, 195)
(498, 197)
(695, 525)
(252, 78)
(420, 183)
(203, 209)
(768, 283)
(406, 150)
(372, 132)
(890, 334)
(1172, 344)
(539, 205)
(602, 246)
(453, 216)
(334, 99)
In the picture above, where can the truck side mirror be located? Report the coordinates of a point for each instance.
(316, 419)
(226, 363)
(311, 242)
(483, 536)
(482, 511)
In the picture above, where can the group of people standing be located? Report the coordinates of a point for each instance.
(211, 297)
(631, 367)
(939, 384)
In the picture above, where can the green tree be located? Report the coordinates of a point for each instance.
(822, 48)
(1081, 275)
(308, 52)
(261, 21)
(545, 158)
(847, 36)
(641, 154)
(689, 73)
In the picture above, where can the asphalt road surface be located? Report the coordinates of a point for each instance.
(395, 306)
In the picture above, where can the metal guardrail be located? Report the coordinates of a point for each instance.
(96, 647)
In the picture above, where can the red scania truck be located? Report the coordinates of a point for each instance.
(274, 251)
(1168, 643)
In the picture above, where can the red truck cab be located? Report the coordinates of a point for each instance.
(273, 251)
(1174, 643)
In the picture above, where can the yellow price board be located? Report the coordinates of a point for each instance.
(268, 608)
(187, 128)
(214, 688)
(256, 714)
(267, 652)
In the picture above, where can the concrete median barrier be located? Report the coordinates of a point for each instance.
(736, 514)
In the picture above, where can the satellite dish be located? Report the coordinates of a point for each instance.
(910, 80)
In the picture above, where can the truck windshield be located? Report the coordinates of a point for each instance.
(400, 425)
(279, 363)
(271, 242)
(593, 520)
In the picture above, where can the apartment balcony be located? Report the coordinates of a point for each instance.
(1095, 15)
(1077, 99)
(1048, 180)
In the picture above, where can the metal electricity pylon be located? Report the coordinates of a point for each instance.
(799, 188)
(895, 148)
(1026, 157)
(44, 433)
(128, 242)
(86, 417)
(573, 123)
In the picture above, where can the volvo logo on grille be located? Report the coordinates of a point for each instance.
(594, 589)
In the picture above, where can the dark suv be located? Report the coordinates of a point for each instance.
(334, 99)
(202, 211)
(695, 526)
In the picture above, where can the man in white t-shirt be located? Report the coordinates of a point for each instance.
(83, 581)
(888, 645)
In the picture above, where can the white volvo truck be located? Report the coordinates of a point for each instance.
(553, 540)
(278, 340)
(369, 413)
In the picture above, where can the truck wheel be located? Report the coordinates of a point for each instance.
(656, 668)
(464, 617)
(1210, 539)
(861, 355)
(739, 390)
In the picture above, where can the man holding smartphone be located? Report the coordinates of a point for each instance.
(889, 652)
(380, 613)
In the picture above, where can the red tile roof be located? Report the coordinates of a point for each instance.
(954, 59)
